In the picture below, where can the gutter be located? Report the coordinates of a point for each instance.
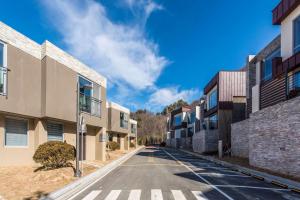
(262, 176)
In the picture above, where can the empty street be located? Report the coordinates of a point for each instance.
(157, 173)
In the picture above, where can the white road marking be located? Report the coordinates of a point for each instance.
(221, 175)
(135, 195)
(156, 194)
(113, 195)
(178, 195)
(214, 187)
(199, 195)
(92, 195)
(252, 187)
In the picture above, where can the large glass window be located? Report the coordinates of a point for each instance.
(16, 132)
(213, 99)
(192, 118)
(297, 80)
(2, 69)
(123, 120)
(267, 67)
(177, 120)
(90, 94)
(133, 128)
(213, 122)
(55, 131)
(297, 35)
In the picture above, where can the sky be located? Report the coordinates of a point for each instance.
(152, 52)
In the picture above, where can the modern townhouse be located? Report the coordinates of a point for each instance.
(270, 136)
(119, 127)
(224, 102)
(133, 132)
(181, 125)
(39, 99)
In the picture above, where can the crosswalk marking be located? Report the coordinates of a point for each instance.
(135, 195)
(113, 195)
(156, 194)
(199, 195)
(178, 195)
(92, 195)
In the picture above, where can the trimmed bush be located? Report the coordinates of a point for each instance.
(54, 154)
(113, 145)
(163, 144)
(132, 145)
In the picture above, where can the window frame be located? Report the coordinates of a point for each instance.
(213, 91)
(297, 19)
(27, 133)
(63, 130)
(269, 57)
(124, 120)
(4, 92)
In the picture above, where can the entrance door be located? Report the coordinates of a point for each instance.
(82, 147)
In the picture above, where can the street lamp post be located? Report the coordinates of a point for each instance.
(78, 124)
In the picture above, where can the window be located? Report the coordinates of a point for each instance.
(267, 67)
(213, 122)
(55, 132)
(297, 79)
(297, 35)
(16, 132)
(213, 99)
(133, 128)
(177, 120)
(3, 69)
(192, 118)
(90, 94)
(190, 132)
(124, 120)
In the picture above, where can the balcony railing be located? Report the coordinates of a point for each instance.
(293, 85)
(90, 105)
(283, 9)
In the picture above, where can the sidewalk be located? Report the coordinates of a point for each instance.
(24, 182)
(263, 176)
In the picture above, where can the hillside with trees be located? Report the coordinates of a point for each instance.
(151, 126)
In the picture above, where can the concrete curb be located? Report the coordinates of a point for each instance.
(276, 180)
(74, 188)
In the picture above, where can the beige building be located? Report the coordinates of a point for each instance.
(120, 127)
(38, 99)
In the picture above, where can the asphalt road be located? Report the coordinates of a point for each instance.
(158, 174)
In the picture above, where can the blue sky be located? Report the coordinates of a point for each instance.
(153, 52)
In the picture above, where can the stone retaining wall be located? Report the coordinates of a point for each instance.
(240, 138)
(274, 138)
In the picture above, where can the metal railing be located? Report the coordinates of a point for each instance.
(293, 85)
(90, 105)
(3, 80)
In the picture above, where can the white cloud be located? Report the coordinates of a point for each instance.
(165, 96)
(120, 52)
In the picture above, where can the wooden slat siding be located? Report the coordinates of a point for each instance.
(272, 92)
(283, 9)
(231, 84)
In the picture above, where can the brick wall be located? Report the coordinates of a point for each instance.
(274, 138)
(240, 139)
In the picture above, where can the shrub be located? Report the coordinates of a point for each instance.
(54, 154)
(113, 145)
(132, 145)
(163, 144)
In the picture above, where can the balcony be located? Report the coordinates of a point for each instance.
(90, 105)
(3, 80)
(283, 9)
(279, 67)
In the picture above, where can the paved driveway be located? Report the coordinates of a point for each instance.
(157, 174)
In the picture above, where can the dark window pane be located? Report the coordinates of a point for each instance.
(297, 35)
